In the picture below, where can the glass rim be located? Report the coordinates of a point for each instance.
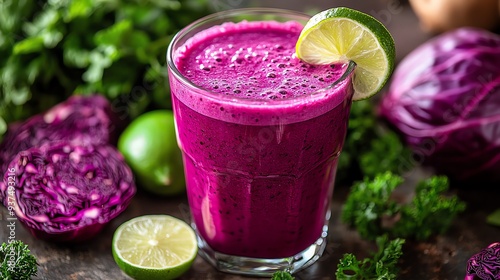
(348, 69)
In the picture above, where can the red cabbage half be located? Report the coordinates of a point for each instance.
(64, 192)
(85, 120)
(444, 98)
(485, 265)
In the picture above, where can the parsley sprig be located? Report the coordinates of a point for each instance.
(282, 275)
(370, 209)
(17, 262)
(382, 265)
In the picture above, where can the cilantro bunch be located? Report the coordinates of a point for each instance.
(52, 49)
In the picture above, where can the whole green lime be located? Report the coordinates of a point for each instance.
(150, 148)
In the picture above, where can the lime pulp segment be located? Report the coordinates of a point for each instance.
(342, 34)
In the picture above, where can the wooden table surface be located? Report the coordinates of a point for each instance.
(442, 258)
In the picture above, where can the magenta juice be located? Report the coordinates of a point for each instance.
(260, 132)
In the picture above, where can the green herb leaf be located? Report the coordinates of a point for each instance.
(76, 57)
(370, 209)
(387, 153)
(29, 45)
(382, 265)
(282, 275)
(370, 148)
(53, 49)
(494, 218)
(78, 8)
(430, 212)
(3, 126)
(368, 202)
(17, 261)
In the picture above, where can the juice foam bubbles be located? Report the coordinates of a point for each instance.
(262, 70)
(260, 133)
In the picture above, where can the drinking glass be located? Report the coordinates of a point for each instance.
(259, 173)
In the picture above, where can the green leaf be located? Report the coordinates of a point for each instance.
(368, 201)
(161, 26)
(144, 16)
(430, 212)
(282, 275)
(348, 267)
(79, 8)
(370, 209)
(98, 62)
(494, 218)
(12, 11)
(29, 45)
(113, 35)
(3, 126)
(87, 88)
(166, 4)
(381, 265)
(47, 19)
(93, 73)
(79, 58)
(138, 40)
(34, 69)
(20, 95)
(51, 38)
(25, 265)
(386, 153)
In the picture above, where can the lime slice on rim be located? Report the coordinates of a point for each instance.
(343, 34)
(154, 247)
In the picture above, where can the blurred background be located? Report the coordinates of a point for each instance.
(397, 15)
(50, 50)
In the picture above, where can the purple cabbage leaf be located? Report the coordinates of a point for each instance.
(485, 265)
(82, 120)
(65, 192)
(444, 98)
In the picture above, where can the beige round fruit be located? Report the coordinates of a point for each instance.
(438, 16)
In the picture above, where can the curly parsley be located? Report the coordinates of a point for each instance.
(282, 275)
(370, 209)
(17, 262)
(381, 266)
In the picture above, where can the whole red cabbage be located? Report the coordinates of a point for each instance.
(85, 120)
(485, 265)
(444, 98)
(64, 192)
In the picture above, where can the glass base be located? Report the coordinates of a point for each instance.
(263, 267)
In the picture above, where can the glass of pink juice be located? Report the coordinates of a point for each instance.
(260, 132)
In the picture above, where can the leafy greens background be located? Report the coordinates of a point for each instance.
(52, 49)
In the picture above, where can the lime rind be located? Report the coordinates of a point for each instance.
(342, 34)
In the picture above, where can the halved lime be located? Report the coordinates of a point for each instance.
(154, 247)
(342, 34)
